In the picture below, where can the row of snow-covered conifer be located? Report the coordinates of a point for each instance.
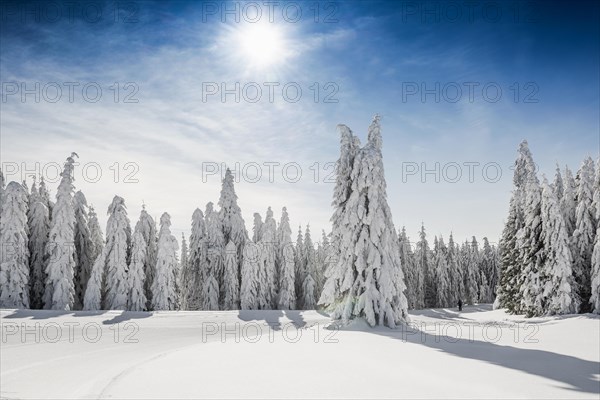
(550, 245)
(54, 256)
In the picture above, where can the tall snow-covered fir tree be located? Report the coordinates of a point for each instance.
(95, 233)
(267, 290)
(373, 284)
(308, 288)
(584, 234)
(257, 228)
(249, 289)
(568, 202)
(334, 274)
(39, 229)
(472, 282)
(595, 275)
(300, 267)
(84, 257)
(2, 190)
(408, 265)
(137, 294)
(147, 227)
(14, 262)
(286, 299)
(507, 290)
(489, 269)
(198, 260)
(59, 289)
(215, 253)
(422, 262)
(92, 299)
(311, 266)
(231, 281)
(164, 285)
(323, 260)
(558, 185)
(234, 227)
(45, 196)
(118, 254)
(184, 270)
(558, 295)
(455, 271)
(429, 279)
(442, 276)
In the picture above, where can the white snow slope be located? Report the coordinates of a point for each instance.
(114, 354)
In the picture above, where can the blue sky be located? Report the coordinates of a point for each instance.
(372, 57)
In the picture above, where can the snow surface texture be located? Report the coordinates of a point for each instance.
(189, 354)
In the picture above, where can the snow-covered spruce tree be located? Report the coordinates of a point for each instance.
(249, 290)
(39, 228)
(595, 276)
(59, 290)
(137, 295)
(489, 268)
(210, 302)
(584, 234)
(84, 257)
(231, 281)
(118, 254)
(308, 288)
(456, 278)
(257, 228)
(531, 254)
(184, 270)
(92, 299)
(323, 259)
(311, 267)
(334, 274)
(267, 295)
(474, 277)
(14, 262)
(234, 227)
(164, 286)
(442, 281)
(373, 285)
(558, 295)
(147, 227)
(95, 233)
(422, 262)
(300, 267)
(507, 289)
(408, 266)
(2, 190)
(197, 263)
(558, 185)
(430, 279)
(286, 299)
(215, 252)
(45, 196)
(568, 202)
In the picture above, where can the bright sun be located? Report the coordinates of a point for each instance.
(262, 44)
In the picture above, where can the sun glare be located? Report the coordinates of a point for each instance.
(262, 44)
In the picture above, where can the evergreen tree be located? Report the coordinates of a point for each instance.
(595, 276)
(474, 272)
(568, 203)
(300, 267)
(556, 275)
(285, 264)
(164, 286)
(198, 260)
(322, 261)
(311, 267)
(267, 295)
(335, 272)
(95, 234)
(137, 295)
(422, 262)
(558, 185)
(147, 227)
(249, 290)
(234, 227)
(489, 270)
(442, 276)
(14, 261)
(309, 301)
(39, 229)
(456, 277)
(59, 289)
(118, 254)
(507, 290)
(583, 236)
(84, 252)
(92, 300)
(257, 228)
(184, 275)
(232, 280)
(210, 301)
(215, 252)
(373, 284)
(408, 266)
(2, 190)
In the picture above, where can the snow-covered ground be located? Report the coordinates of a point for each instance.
(478, 353)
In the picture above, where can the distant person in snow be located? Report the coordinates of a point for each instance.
(459, 305)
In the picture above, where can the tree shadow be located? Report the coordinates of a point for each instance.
(271, 317)
(127, 316)
(47, 314)
(296, 317)
(576, 373)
